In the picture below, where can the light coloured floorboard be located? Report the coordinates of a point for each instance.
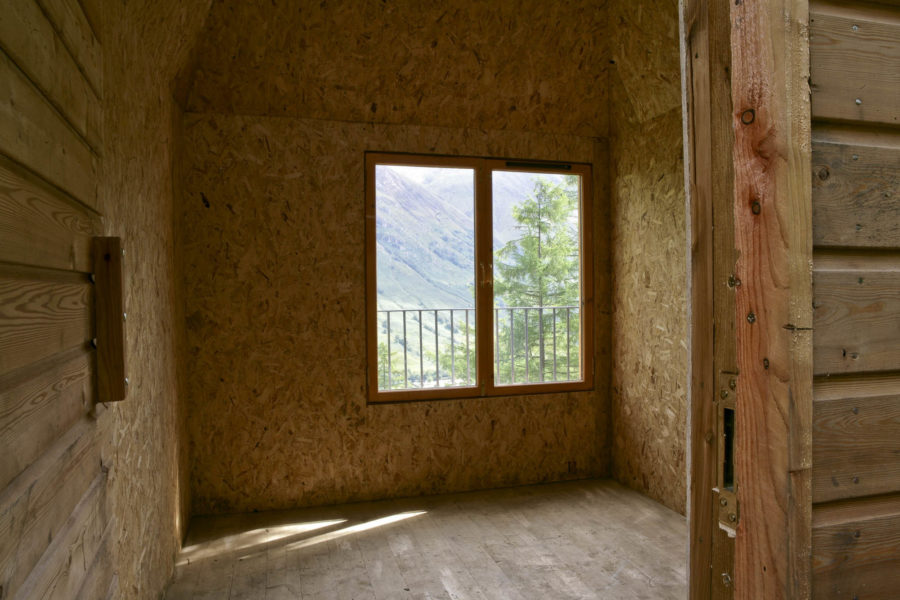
(583, 539)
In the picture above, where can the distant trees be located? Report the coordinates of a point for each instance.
(540, 268)
(537, 290)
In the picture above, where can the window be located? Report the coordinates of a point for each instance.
(478, 277)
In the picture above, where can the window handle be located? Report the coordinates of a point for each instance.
(485, 277)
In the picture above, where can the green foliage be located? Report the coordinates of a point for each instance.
(540, 268)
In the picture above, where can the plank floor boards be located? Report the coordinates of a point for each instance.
(584, 539)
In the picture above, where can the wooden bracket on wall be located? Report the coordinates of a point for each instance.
(109, 319)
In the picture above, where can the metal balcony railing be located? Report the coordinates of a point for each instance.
(435, 347)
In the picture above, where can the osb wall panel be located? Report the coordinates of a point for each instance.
(144, 45)
(526, 65)
(272, 228)
(649, 403)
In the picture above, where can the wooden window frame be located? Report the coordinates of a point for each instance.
(484, 293)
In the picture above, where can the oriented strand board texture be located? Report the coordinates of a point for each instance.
(649, 402)
(273, 279)
(144, 44)
(273, 252)
(527, 65)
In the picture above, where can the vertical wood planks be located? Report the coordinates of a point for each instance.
(707, 56)
(773, 223)
(109, 318)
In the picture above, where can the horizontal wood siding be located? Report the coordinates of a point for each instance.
(854, 66)
(855, 193)
(56, 535)
(855, 77)
(857, 545)
(35, 134)
(857, 321)
(40, 225)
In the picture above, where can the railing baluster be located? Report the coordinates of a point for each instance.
(527, 350)
(452, 352)
(468, 371)
(421, 355)
(541, 340)
(554, 344)
(497, 343)
(568, 345)
(389, 374)
(512, 348)
(405, 354)
(437, 353)
(546, 369)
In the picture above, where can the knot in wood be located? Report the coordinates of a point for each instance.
(748, 116)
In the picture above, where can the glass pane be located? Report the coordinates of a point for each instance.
(425, 265)
(537, 277)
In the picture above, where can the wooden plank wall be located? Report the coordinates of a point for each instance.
(855, 78)
(55, 522)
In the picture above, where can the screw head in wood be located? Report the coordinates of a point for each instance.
(723, 501)
(726, 579)
(732, 517)
(858, 101)
(751, 318)
(94, 343)
(756, 208)
(124, 316)
(765, 363)
(93, 278)
(733, 383)
(127, 382)
(723, 394)
(855, 28)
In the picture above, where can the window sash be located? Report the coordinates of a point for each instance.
(484, 293)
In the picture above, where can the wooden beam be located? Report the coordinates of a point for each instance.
(109, 318)
(773, 220)
(701, 413)
(707, 50)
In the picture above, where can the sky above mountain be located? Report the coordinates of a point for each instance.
(425, 242)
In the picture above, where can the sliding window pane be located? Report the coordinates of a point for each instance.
(537, 277)
(425, 271)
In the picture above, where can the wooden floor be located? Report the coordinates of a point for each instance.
(585, 539)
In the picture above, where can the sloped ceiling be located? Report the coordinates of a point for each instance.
(530, 65)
